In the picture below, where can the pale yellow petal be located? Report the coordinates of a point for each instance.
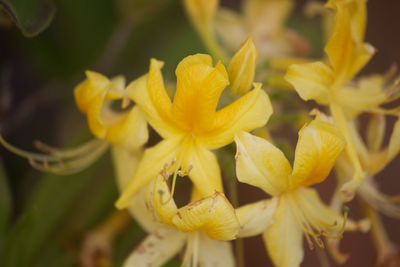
(261, 164)
(214, 215)
(230, 28)
(249, 112)
(164, 205)
(201, 13)
(394, 143)
(311, 81)
(267, 17)
(256, 217)
(242, 68)
(199, 86)
(156, 249)
(149, 94)
(284, 238)
(131, 132)
(204, 170)
(215, 253)
(86, 91)
(152, 163)
(319, 144)
(375, 132)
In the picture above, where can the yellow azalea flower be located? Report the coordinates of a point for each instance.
(294, 209)
(190, 125)
(111, 119)
(122, 125)
(264, 20)
(163, 241)
(328, 83)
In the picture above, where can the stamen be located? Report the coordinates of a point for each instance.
(63, 162)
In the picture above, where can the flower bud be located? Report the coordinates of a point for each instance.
(242, 68)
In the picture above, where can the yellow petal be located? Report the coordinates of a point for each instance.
(319, 144)
(267, 17)
(149, 94)
(345, 50)
(164, 205)
(214, 215)
(215, 252)
(261, 164)
(249, 112)
(242, 68)
(311, 81)
(230, 28)
(394, 143)
(204, 170)
(256, 217)
(201, 13)
(199, 86)
(284, 238)
(86, 91)
(131, 132)
(375, 132)
(152, 163)
(156, 249)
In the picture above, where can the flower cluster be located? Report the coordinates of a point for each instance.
(200, 119)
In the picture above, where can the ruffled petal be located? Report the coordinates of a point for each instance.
(284, 238)
(215, 253)
(256, 217)
(214, 215)
(149, 94)
(319, 144)
(311, 81)
(152, 163)
(261, 164)
(249, 112)
(156, 249)
(199, 86)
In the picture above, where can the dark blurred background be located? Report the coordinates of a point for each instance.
(44, 217)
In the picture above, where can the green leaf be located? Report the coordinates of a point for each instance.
(31, 16)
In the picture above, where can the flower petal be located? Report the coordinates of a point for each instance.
(231, 28)
(311, 81)
(261, 164)
(205, 172)
(284, 238)
(149, 94)
(156, 249)
(215, 253)
(256, 217)
(131, 131)
(345, 49)
(319, 144)
(249, 112)
(125, 162)
(84, 93)
(214, 215)
(199, 86)
(152, 163)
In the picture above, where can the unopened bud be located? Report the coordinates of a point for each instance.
(242, 68)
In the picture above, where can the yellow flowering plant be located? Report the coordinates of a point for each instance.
(160, 130)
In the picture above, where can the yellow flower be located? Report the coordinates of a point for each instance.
(190, 125)
(328, 83)
(212, 215)
(294, 208)
(122, 125)
(111, 119)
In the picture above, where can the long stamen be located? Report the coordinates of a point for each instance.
(60, 161)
